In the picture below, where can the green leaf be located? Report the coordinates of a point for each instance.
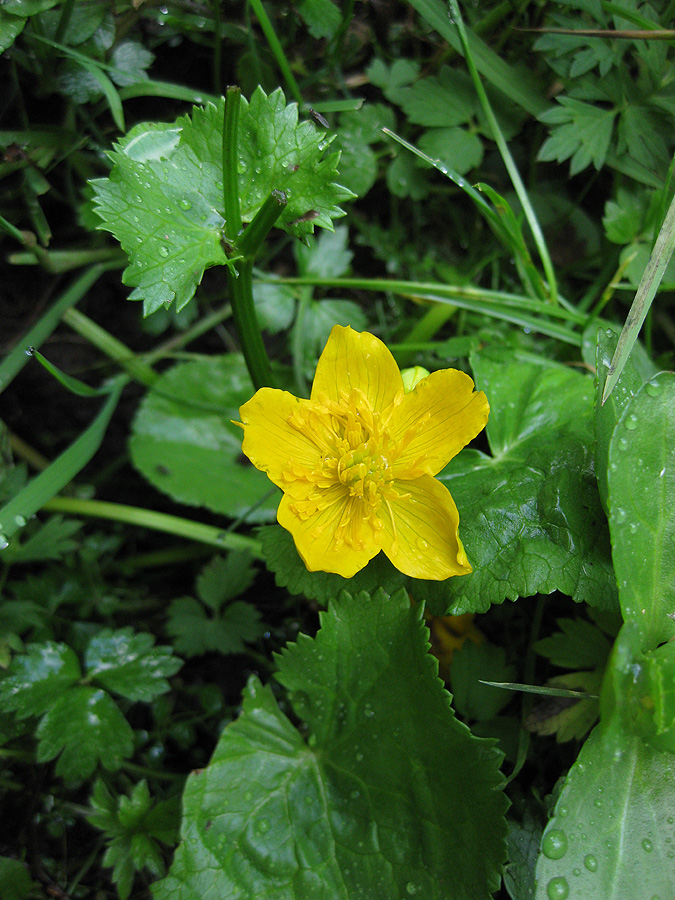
(37, 678)
(196, 632)
(274, 306)
(456, 148)
(162, 204)
(15, 881)
(583, 133)
(326, 256)
(130, 60)
(322, 17)
(578, 645)
(163, 200)
(225, 578)
(10, 28)
(129, 664)
(607, 415)
(132, 826)
(530, 515)
(523, 844)
(377, 800)
(568, 718)
(84, 727)
(611, 833)
(49, 541)
(641, 483)
(440, 101)
(471, 664)
(185, 444)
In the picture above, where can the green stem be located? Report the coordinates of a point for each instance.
(147, 518)
(243, 312)
(277, 49)
(426, 328)
(64, 21)
(231, 203)
(116, 350)
(264, 220)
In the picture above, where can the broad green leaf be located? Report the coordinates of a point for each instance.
(611, 835)
(27, 7)
(374, 803)
(530, 515)
(185, 444)
(160, 202)
(10, 28)
(129, 664)
(638, 369)
(38, 677)
(641, 483)
(84, 727)
(166, 207)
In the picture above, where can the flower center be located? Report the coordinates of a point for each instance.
(354, 473)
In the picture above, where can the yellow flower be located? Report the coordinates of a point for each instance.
(356, 461)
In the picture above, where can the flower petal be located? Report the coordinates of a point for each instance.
(357, 360)
(425, 542)
(434, 421)
(315, 538)
(271, 443)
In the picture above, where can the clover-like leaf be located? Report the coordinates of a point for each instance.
(374, 803)
(164, 198)
(129, 664)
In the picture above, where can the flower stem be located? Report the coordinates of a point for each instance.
(147, 518)
(243, 312)
(231, 204)
(263, 221)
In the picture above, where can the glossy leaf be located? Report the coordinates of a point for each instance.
(37, 678)
(185, 444)
(530, 515)
(373, 804)
(129, 664)
(164, 199)
(612, 833)
(84, 727)
(642, 509)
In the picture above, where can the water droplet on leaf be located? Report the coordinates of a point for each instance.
(591, 863)
(554, 845)
(557, 889)
(631, 422)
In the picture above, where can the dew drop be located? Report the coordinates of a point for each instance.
(631, 422)
(263, 826)
(653, 388)
(185, 204)
(20, 521)
(557, 889)
(576, 872)
(647, 845)
(421, 544)
(620, 516)
(4, 543)
(411, 888)
(591, 863)
(554, 845)
(164, 251)
(359, 757)
(623, 443)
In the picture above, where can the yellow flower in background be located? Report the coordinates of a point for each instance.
(356, 461)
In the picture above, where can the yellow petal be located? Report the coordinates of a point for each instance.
(271, 443)
(354, 360)
(315, 538)
(434, 421)
(423, 540)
